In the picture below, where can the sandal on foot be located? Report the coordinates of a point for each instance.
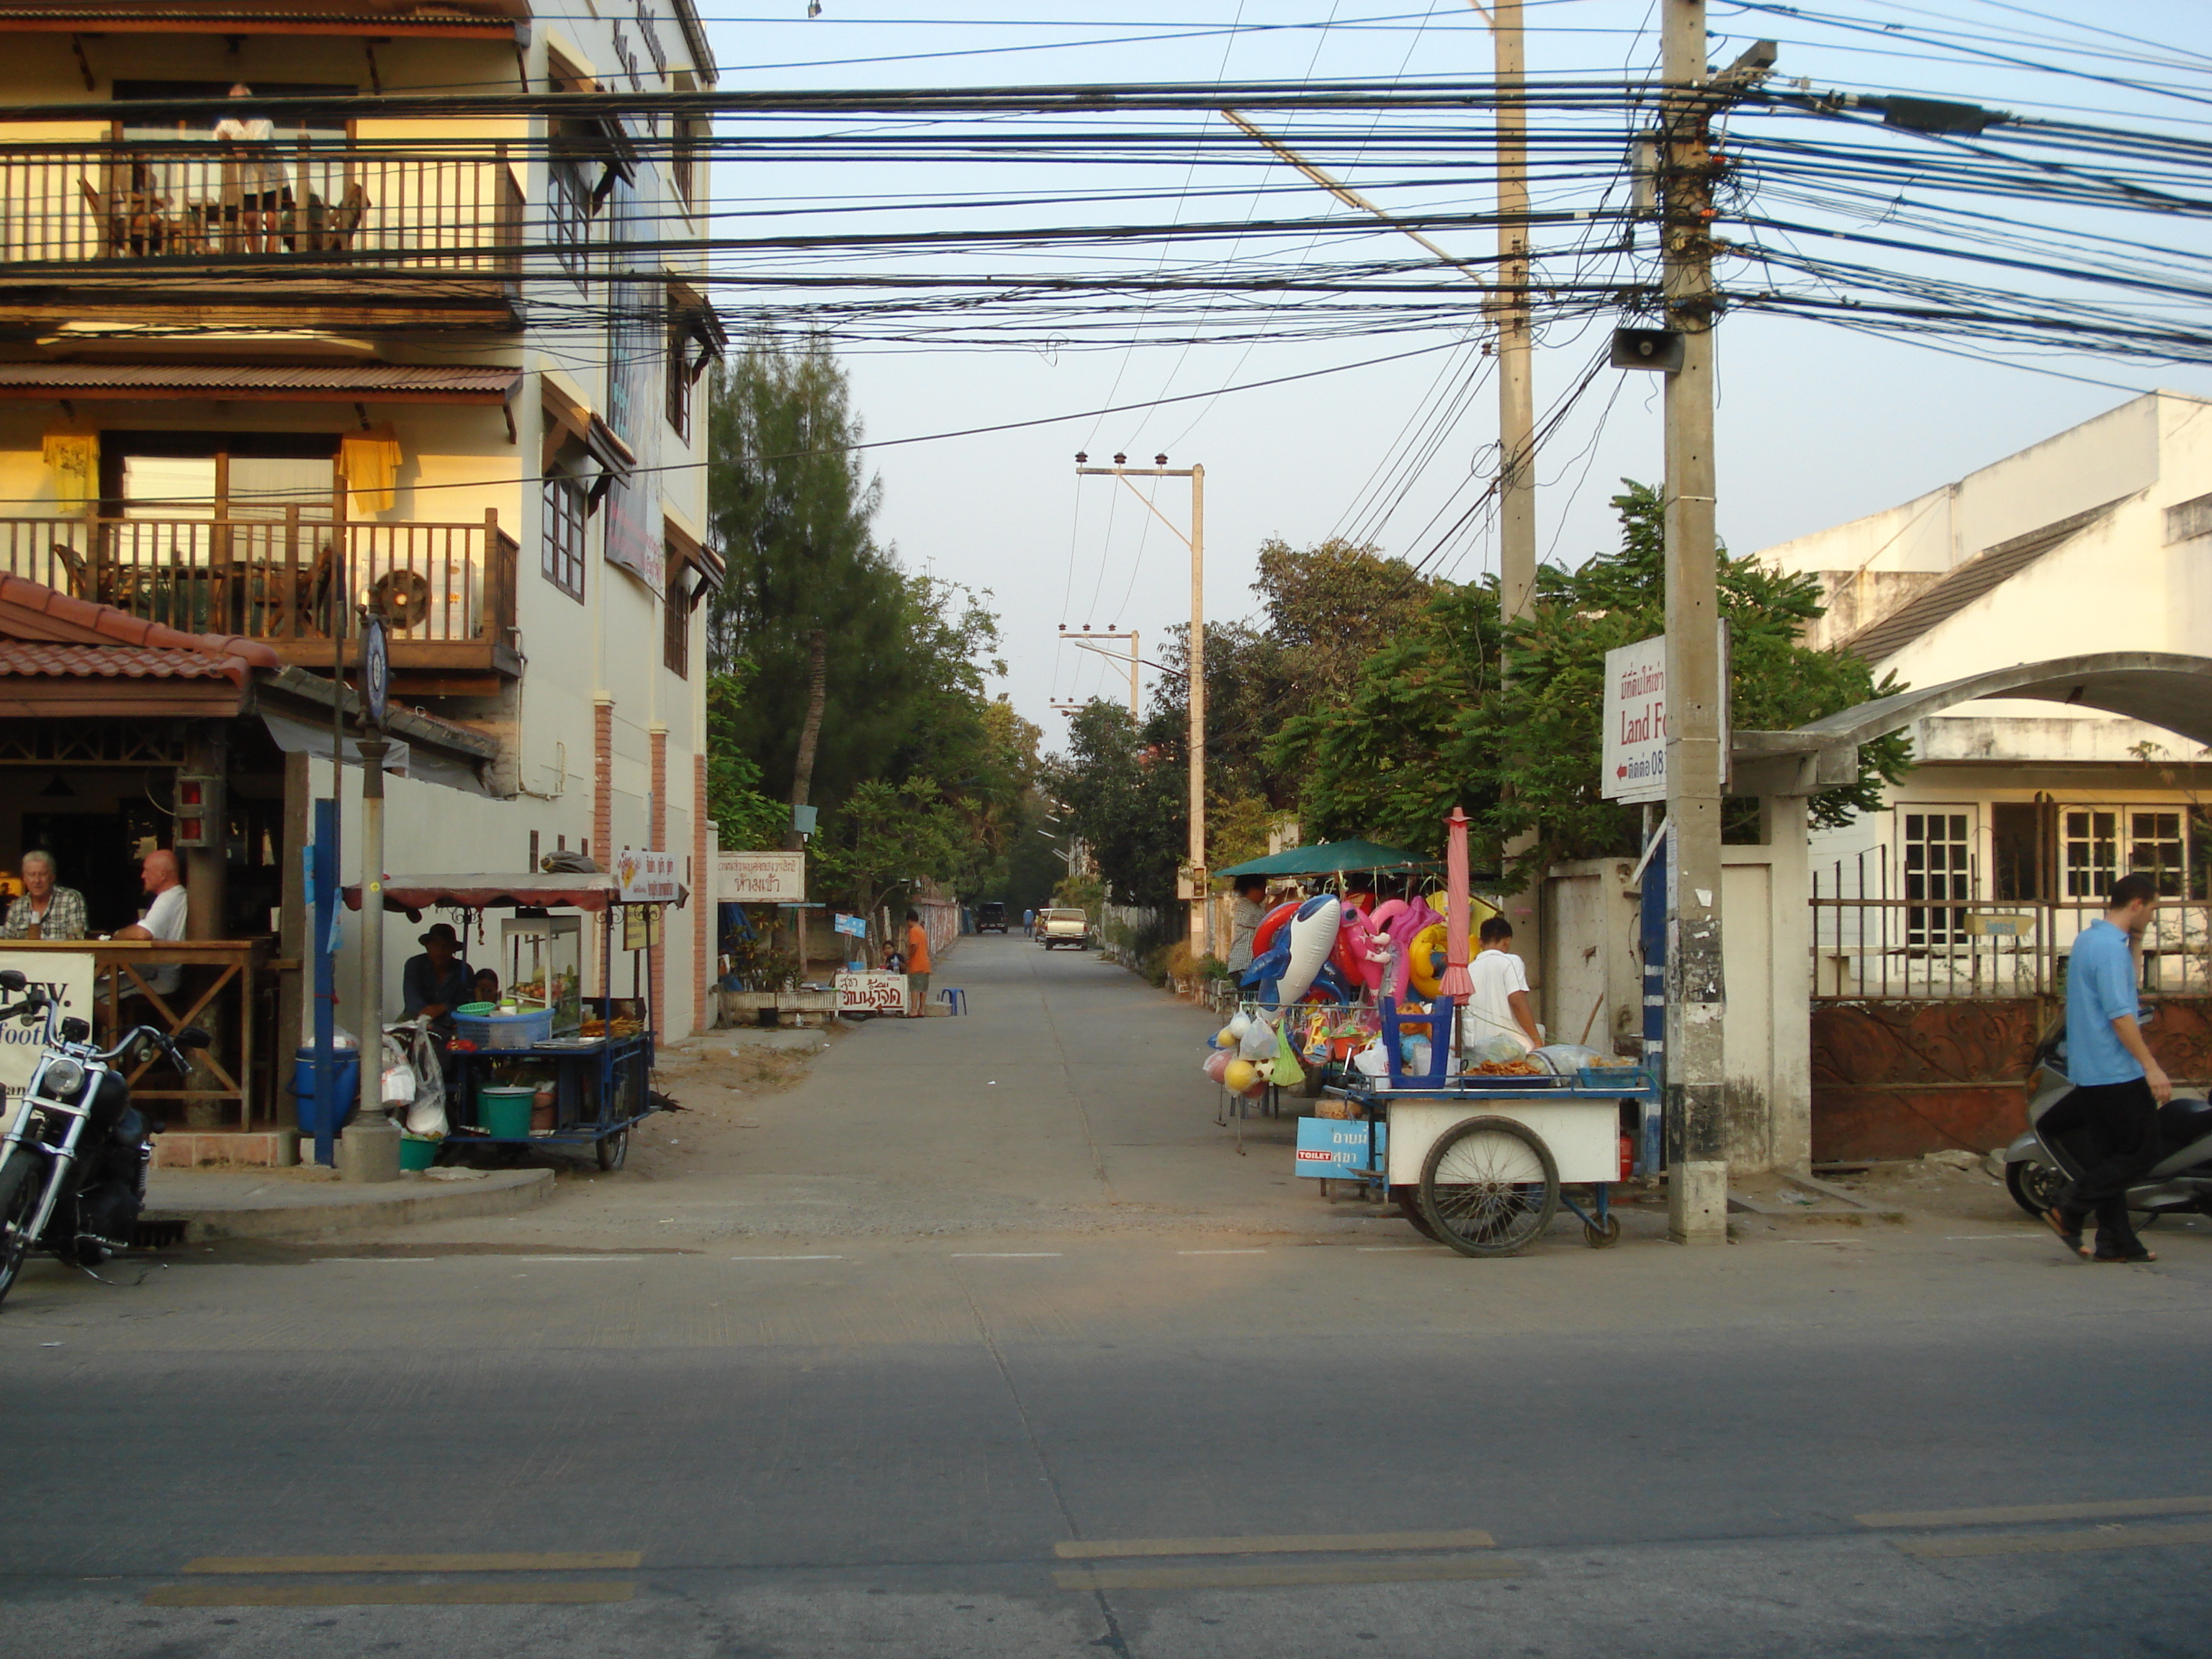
(2135, 1257)
(2070, 1238)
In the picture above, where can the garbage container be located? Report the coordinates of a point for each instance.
(346, 1063)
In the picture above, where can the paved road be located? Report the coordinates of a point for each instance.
(1159, 1441)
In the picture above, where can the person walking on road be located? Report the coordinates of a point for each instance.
(2119, 1085)
(917, 961)
(1029, 924)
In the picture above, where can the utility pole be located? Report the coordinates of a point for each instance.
(1697, 1179)
(1517, 410)
(1083, 641)
(1195, 541)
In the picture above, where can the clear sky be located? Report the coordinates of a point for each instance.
(1815, 425)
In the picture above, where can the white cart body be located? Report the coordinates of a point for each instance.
(1584, 1134)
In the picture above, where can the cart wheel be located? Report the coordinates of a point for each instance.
(613, 1150)
(1602, 1239)
(1409, 1201)
(1488, 1187)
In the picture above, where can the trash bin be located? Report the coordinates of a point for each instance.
(346, 1062)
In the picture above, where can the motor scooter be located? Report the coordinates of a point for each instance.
(2037, 1169)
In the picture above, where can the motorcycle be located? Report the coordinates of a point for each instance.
(2037, 1169)
(73, 1164)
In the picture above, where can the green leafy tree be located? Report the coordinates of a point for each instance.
(746, 817)
(885, 840)
(1127, 799)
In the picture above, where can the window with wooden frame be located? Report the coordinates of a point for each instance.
(676, 619)
(566, 517)
(678, 373)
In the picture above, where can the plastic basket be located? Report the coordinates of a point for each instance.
(505, 1030)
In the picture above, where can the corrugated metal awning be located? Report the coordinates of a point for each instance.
(380, 383)
(238, 20)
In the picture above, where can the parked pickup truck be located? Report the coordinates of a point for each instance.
(1063, 928)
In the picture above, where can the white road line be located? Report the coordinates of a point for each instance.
(787, 1258)
(379, 1259)
(579, 1258)
(998, 1255)
(1986, 1238)
(1221, 1253)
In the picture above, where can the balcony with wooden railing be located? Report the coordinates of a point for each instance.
(327, 220)
(447, 590)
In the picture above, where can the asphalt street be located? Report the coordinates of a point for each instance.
(1091, 1419)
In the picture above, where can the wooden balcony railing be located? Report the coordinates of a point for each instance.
(320, 201)
(276, 577)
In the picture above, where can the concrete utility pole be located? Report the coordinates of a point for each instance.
(1517, 409)
(1195, 541)
(1696, 1181)
(1086, 642)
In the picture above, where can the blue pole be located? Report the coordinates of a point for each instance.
(1653, 935)
(323, 892)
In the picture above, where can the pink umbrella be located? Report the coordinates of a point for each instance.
(1455, 982)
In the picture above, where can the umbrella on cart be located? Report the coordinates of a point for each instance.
(1456, 983)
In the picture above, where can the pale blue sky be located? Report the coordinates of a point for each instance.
(1815, 425)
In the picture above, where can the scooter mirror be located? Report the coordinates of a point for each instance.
(192, 1037)
(11, 980)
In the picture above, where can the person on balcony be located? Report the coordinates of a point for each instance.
(253, 180)
(46, 910)
(439, 980)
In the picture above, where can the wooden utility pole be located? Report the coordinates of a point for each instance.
(1697, 1179)
(1200, 944)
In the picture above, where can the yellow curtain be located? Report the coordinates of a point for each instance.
(75, 457)
(370, 461)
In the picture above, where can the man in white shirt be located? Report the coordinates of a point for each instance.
(165, 916)
(1498, 1006)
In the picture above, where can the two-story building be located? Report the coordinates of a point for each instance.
(268, 357)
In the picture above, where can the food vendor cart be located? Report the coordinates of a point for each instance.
(1482, 1163)
(594, 1057)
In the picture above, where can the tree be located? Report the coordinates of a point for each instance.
(1127, 799)
(1330, 607)
(887, 839)
(745, 817)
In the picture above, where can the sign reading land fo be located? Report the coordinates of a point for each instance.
(1635, 758)
(1635, 716)
(760, 878)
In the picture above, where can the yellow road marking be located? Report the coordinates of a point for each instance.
(1106, 1549)
(1261, 1575)
(2108, 1511)
(573, 1561)
(481, 1593)
(2054, 1543)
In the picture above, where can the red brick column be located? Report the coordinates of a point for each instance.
(704, 911)
(603, 808)
(656, 957)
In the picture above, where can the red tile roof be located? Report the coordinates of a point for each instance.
(137, 662)
(30, 611)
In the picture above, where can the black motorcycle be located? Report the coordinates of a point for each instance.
(73, 1165)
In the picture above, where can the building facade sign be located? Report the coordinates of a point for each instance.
(760, 878)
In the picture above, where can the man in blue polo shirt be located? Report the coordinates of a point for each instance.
(2118, 1086)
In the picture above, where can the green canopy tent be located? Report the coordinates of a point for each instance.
(1331, 858)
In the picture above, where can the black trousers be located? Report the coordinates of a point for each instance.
(2111, 1131)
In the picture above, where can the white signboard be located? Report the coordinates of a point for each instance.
(873, 992)
(1635, 760)
(1634, 764)
(67, 976)
(646, 878)
(761, 878)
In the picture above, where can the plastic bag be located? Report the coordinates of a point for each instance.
(1258, 1041)
(1495, 1050)
(1372, 1060)
(1285, 1072)
(1566, 1058)
(1239, 1023)
(1217, 1063)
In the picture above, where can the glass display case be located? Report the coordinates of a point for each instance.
(544, 967)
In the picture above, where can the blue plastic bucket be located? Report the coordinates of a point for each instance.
(346, 1064)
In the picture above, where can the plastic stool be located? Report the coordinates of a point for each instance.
(954, 997)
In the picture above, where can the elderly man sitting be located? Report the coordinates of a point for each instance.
(46, 910)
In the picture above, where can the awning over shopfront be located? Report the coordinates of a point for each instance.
(1330, 858)
(561, 889)
(325, 383)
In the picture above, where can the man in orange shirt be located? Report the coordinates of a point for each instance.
(917, 962)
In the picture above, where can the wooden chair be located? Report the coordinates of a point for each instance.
(136, 222)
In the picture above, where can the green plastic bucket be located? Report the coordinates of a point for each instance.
(503, 1109)
(417, 1151)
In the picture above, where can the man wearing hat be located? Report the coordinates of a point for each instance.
(439, 980)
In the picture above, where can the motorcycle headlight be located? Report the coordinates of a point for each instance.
(61, 1079)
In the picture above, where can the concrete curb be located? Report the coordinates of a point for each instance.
(285, 1209)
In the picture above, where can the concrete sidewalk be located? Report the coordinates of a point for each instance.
(311, 1203)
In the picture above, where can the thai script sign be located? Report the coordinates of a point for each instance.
(646, 878)
(871, 991)
(760, 878)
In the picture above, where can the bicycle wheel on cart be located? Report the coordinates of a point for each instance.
(1488, 1187)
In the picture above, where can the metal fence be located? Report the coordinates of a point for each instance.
(310, 200)
(1879, 935)
(276, 577)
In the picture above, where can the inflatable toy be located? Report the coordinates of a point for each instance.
(1360, 952)
(1328, 986)
(1272, 925)
(1425, 959)
(1313, 933)
(1241, 1075)
(1386, 913)
(1412, 920)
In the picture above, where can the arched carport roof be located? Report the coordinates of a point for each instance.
(2160, 688)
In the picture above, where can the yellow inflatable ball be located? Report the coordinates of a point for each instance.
(1241, 1075)
(1222, 1039)
(1425, 959)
